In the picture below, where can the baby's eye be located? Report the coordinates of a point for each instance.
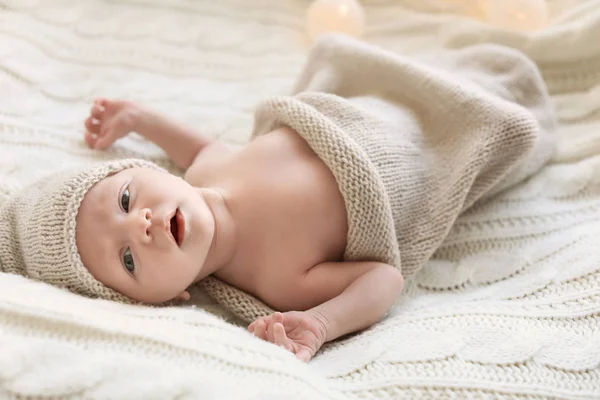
(128, 260)
(125, 200)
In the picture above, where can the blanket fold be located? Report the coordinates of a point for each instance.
(414, 143)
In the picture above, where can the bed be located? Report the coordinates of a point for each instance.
(518, 318)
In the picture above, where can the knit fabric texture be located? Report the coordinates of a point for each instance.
(508, 307)
(414, 145)
(411, 143)
(38, 229)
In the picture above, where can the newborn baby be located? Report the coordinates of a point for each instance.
(269, 220)
(345, 190)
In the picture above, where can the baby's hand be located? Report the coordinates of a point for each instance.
(297, 331)
(109, 121)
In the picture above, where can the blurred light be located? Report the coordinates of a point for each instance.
(523, 15)
(344, 16)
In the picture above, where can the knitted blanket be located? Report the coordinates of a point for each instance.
(508, 307)
(414, 143)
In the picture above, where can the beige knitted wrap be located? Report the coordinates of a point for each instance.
(37, 229)
(411, 143)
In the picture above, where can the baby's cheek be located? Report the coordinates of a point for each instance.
(167, 274)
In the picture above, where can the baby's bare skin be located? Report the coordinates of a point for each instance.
(290, 216)
(280, 228)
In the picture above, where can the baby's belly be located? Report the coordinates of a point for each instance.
(293, 245)
(316, 214)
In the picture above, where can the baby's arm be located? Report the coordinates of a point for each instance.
(340, 298)
(111, 120)
(362, 303)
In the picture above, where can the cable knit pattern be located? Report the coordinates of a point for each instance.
(508, 307)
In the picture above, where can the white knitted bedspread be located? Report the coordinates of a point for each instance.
(509, 307)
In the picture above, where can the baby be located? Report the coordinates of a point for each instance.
(346, 189)
(269, 220)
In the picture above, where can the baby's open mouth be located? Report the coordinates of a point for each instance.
(178, 227)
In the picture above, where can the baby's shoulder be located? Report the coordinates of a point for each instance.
(206, 162)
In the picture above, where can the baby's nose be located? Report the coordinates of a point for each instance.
(146, 214)
(144, 222)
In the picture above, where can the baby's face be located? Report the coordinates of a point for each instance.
(145, 234)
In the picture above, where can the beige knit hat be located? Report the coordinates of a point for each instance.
(37, 239)
(37, 229)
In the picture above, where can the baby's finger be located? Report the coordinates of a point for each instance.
(90, 139)
(303, 355)
(105, 138)
(271, 330)
(281, 338)
(103, 142)
(278, 317)
(260, 329)
(97, 111)
(92, 125)
(101, 101)
(252, 326)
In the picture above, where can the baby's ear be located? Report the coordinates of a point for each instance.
(183, 296)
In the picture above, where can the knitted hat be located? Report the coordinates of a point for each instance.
(37, 229)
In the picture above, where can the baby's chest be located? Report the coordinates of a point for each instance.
(277, 278)
(265, 275)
